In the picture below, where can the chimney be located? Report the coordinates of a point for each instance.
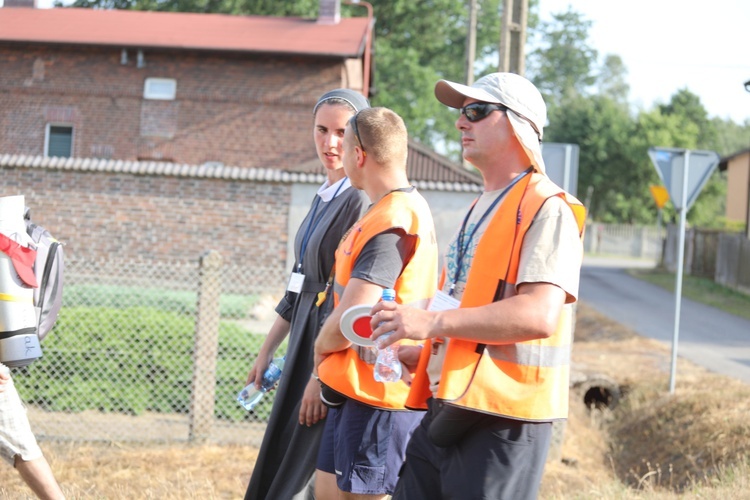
(31, 4)
(329, 11)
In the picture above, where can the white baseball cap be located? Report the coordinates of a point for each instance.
(519, 95)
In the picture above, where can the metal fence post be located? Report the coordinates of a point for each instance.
(206, 347)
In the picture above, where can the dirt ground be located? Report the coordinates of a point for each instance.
(89, 470)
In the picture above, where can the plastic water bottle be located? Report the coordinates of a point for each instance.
(250, 395)
(387, 365)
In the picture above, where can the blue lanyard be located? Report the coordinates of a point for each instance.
(313, 223)
(462, 248)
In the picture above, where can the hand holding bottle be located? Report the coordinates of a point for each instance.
(387, 366)
(251, 395)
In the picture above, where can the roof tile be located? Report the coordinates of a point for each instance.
(180, 30)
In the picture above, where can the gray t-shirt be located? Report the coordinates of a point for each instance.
(383, 257)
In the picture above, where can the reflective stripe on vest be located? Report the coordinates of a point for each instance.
(527, 380)
(530, 355)
(344, 371)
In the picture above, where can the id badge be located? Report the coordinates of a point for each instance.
(295, 282)
(443, 302)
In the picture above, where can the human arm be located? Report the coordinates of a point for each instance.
(312, 408)
(378, 266)
(531, 314)
(330, 339)
(276, 335)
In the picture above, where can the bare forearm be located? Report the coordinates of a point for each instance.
(516, 319)
(330, 339)
(532, 314)
(276, 335)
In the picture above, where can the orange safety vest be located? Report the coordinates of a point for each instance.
(526, 380)
(344, 371)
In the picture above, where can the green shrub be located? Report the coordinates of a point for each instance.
(231, 306)
(131, 359)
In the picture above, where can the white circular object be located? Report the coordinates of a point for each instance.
(355, 325)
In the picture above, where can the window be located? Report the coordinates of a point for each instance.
(164, 89)
(59, 141)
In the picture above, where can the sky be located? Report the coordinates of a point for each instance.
(668, 45)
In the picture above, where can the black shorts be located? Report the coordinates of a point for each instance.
(497, 458)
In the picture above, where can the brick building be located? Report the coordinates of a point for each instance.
(158, 136)
(180, 87)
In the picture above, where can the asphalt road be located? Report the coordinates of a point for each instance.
(707, 336)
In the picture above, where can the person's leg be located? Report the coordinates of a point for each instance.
(19, 447)
(325, 486)
(420, 475)
(325, 477)
(37, 474)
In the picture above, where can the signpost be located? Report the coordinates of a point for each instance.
(561, 161)
(684, 173)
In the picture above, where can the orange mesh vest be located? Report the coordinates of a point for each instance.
(527, 380)
(344, 371)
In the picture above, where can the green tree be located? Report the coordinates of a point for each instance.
(730, 137)
(419, 42)
(688, 106)
(709, 208)
(612, 166)
(564, 63)
(612, 79)
(301, 8)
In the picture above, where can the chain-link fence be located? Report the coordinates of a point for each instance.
(151, 351)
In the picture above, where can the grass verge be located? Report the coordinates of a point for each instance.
(702, 290)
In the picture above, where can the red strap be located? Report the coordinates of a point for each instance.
(22, 257)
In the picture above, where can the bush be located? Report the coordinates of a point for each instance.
(135, 358)
(231, 306)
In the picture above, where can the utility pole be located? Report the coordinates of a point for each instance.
(471, 42)
(513, 36)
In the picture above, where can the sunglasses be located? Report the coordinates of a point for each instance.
(353, 121)
(480, 110)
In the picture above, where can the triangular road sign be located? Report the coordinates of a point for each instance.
(672, 164)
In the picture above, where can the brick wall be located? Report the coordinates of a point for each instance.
(235, 109)
(122, 216)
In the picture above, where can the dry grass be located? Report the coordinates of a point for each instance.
(692, 444)
(652, 446)
(156, 472)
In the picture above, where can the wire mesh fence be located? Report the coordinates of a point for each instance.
(151, 351)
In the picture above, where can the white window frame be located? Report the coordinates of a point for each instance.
(153, 88)
(72, 137)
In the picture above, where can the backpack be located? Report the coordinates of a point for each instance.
(48, 269)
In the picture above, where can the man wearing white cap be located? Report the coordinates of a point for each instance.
(494, 371)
